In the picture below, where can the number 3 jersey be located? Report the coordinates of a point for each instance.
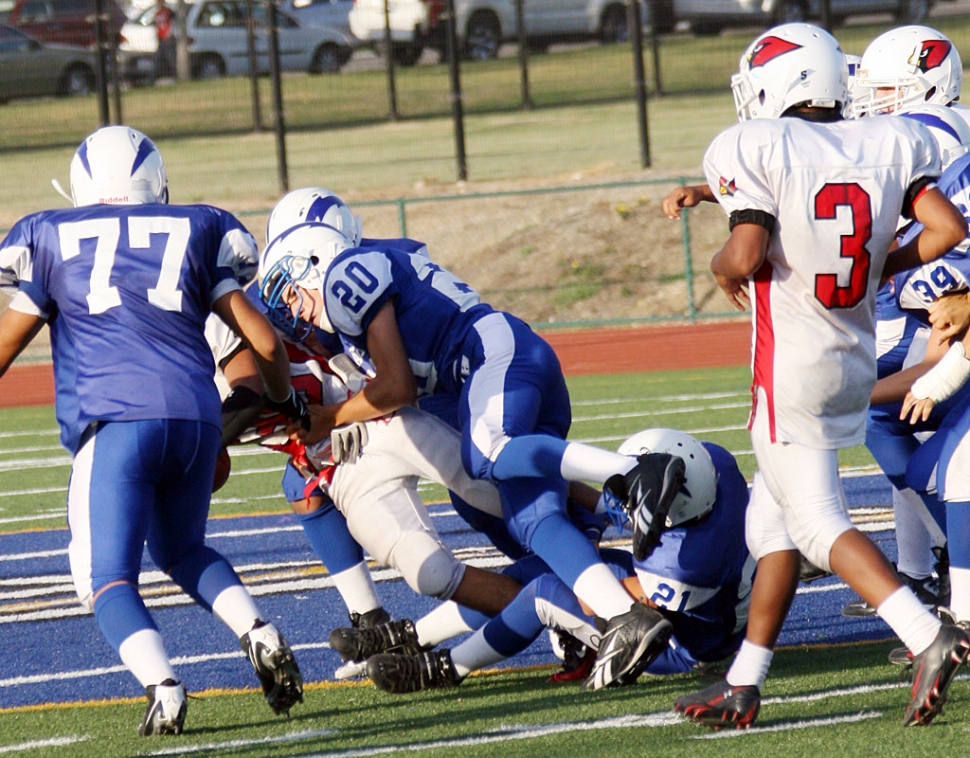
(836, 191)
(127, 290)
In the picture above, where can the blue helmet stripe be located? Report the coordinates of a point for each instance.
(936, 122)
(319, 207)
(145, 149)
(82, 154)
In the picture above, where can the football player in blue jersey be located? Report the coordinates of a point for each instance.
(698, 576)
(126, 282)
(426, 332)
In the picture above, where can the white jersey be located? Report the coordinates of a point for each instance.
(836, 191)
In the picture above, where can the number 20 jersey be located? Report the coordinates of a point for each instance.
(836, 191)
(127, 290)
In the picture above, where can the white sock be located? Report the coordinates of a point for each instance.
(750, 666)
(602, 591)
(356, 587)
(144, 655)
(441, 624)
(913, 624)
(585, 463)
(960, 593)
(235, 608)
(474, 653)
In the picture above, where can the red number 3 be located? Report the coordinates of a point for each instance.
(827, 201)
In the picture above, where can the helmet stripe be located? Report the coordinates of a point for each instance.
(936, 122)
(319, 207)
(82, 156)
(145, 149)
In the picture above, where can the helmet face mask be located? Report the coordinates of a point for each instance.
(787, 66)
(295, 261)
(904, 68)
(696, 498)
(118, 165)
(313, 205)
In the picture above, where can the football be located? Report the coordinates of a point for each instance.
(223, 467)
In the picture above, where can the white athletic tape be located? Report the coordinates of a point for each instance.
(945, 378)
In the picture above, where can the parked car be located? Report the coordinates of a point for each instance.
(483, 25)
(68, 22)
(31, 68)
(333, 13)
(218, 43)
(710, 16)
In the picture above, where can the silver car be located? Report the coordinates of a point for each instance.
(218, 43)
(29, 68)
(710, 16)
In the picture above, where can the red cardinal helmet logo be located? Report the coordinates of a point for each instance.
(769, 48)
(931, 54)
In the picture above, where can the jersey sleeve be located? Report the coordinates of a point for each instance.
(734, 172)
(238, 255)
(18, 271)
(223, 341)
(357, 284)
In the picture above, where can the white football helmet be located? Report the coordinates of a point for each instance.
(313, 205)
(951, 130)
(789, 65)
(905, 67)
(696, 498)
(299, 256)
(118, 165)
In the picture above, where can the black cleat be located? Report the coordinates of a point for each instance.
(275, 666)
(721, 705)
(390, 637)
(631, 641)
(651, 487)
(166, 709)
(927, 591)
(411, 673)
(933, 670)
(369, 619)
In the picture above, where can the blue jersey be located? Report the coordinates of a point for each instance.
(917, 288)
(895, 330)
(127, 290)
(434, 310)
(703, 573)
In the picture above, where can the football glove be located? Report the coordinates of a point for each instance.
(293, 408)
(347, 441)
(240, 410)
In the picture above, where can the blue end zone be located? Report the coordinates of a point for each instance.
(61, 656)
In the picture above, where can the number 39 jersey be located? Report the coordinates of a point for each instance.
(127, 290)
(836, 191)
(434, 309)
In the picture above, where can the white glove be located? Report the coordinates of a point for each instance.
(347, 441)
(348, 371)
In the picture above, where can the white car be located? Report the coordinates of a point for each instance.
(483, 25)
(218, 43)
(710, 16)
(333, 13)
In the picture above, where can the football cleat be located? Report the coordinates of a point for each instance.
(577, 661)
(651, 487)
(166, 709)
(275, 666)
(390, 637)
(411, 673)
(631, 641)
(933, 671)
(369, 619)
(721, 705)
(926, 591)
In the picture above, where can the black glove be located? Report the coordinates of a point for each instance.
(240, 410)
(293, 408)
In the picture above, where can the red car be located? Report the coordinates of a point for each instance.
(68, 22)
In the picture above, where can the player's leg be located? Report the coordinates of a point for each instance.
(176, 542)
(953, 480)
(110, 499)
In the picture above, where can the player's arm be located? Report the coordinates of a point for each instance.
(950, 315)
(944, 228)
(17, 329)
(393, 386)
(265, 345)
(939, 383)
(893, 388)
(741, 256)
(686, 197)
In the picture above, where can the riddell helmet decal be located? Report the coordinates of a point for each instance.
(768, 49)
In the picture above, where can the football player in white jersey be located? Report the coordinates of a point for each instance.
(126, 283)
(813, 203)
(425, 332)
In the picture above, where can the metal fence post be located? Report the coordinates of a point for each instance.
(280, 125)
(457, 110)
(389, 62)
(635, 26)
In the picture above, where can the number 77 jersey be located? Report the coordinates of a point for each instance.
(126, 291)
(835, 191)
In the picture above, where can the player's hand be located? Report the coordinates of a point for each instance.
(319, 428)
(347, 441)
(950, 315)
(683, 197)
(736, 291)
(293, 408)
(916, 410)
